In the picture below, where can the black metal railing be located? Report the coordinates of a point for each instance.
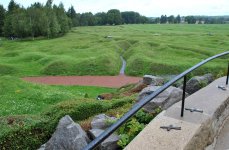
(144, 101)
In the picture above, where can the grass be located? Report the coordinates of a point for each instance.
(29, 112)
(148, 49)
(18, 97)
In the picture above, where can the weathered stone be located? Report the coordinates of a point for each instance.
(164, 100)
(68, 136)
(42, 147)
(198, 82)
(101, 121)
(138, 87)
(110, 143)
(153, 80)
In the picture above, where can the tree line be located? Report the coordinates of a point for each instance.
(112, 17)
(37, 20)
(190, 19)
(51, 20)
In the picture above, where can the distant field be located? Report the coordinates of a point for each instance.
(148, 49)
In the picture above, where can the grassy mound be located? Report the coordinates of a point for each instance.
(28, 57)
(174, 47)
(7, 69)
(10, 54)
(57, 68)
(102, 65)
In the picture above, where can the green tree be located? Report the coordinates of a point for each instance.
(37, 20)
(114, 17)
(178, 19)
(53, 27)
(101, 18)
(75, 18)
(171, 19)
(190, 19)
(20, 26)
(62, 18)
(8, 26)
(163, 19)
(2, 17)
(12, 6)
(87, 19)
(131, 17)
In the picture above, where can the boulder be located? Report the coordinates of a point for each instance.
(68, 136)
(198, 82)
(109, 144)
(138, 87)
(163, 100)
(153, 80)
(42, 147)
(101, 121)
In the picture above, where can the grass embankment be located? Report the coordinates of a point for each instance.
(170, 49)
(30, 112)
(78, 53)
(148, 49)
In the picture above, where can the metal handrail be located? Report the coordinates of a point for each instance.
(144, 101)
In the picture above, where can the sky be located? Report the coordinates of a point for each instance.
(149, 8)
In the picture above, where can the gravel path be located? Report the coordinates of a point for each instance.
(102, 81)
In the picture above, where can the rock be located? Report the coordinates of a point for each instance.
(110, 143)
(164, 100)
(152, 80)
(42, 147)
(138, 87)
(197, 82)
(107, 96)
(101, 121)
(68, 136)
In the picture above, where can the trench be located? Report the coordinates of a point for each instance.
(122, 70)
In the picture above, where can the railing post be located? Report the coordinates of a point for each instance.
(183, 96)
(227, 74)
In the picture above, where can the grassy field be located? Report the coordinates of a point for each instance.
(148, 49)
(19, 97)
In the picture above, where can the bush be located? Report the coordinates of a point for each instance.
(135, 125)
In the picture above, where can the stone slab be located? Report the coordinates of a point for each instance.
(198, 129)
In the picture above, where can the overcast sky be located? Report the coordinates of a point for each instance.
(149, 8)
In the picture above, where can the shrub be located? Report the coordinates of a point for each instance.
(135, 125)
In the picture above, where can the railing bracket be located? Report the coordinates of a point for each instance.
(194, 110)
(222, 87)
(170, 127)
